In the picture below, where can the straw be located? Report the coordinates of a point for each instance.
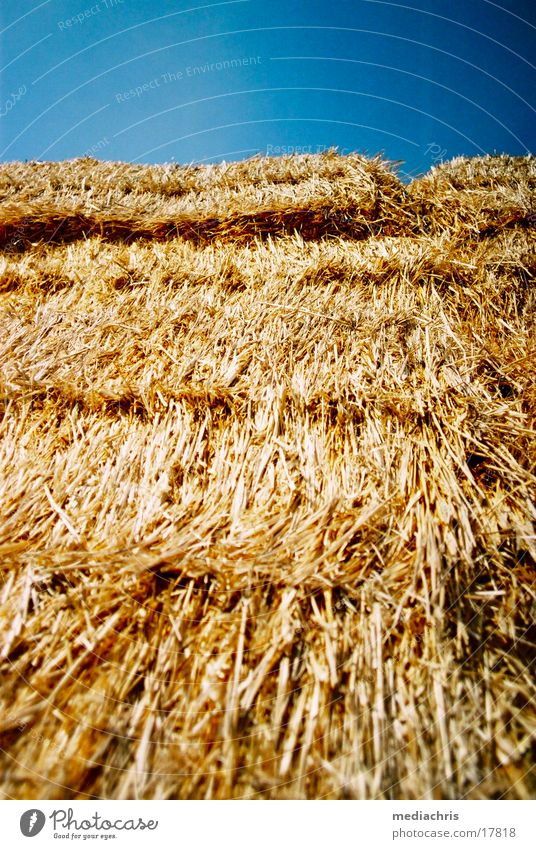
(267, 480)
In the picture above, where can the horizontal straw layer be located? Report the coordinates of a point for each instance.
(268, 492)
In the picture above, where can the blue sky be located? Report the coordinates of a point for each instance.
(193, 81)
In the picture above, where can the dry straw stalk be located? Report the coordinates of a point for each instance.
(267, 480)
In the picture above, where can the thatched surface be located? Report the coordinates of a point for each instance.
(267, 480)
(354, 197)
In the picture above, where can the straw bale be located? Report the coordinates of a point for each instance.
(353, 196)
(267, 480)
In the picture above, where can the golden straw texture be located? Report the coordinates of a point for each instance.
(267, 480)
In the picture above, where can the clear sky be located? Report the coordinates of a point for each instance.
(198, 80)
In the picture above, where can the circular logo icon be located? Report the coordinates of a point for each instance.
(32, 822)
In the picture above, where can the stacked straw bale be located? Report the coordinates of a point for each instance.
(267, 480)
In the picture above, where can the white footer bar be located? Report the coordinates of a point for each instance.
(269, 825)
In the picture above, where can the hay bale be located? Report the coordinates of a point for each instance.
(354, 197)
(477, 198)
(267, 480)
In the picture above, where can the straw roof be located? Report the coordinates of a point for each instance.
(267, 479)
